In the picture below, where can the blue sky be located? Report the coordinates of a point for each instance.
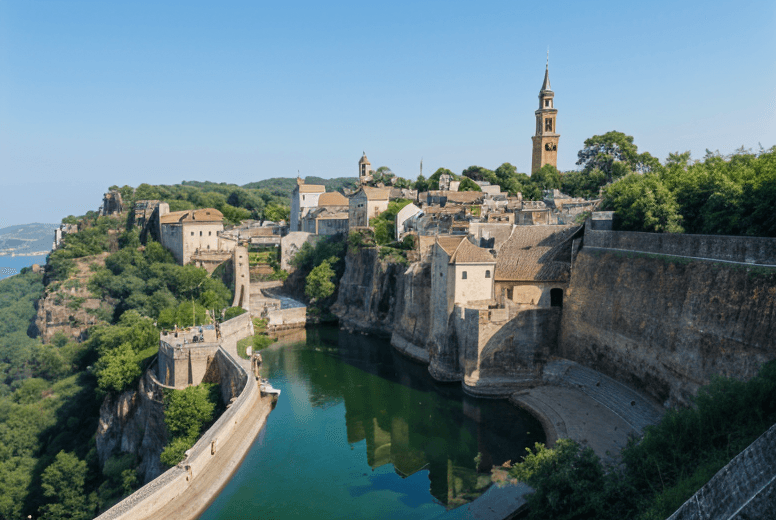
(94, 93)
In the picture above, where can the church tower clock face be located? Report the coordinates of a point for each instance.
(545, 140)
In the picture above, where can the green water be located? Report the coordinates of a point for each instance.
(360, 431)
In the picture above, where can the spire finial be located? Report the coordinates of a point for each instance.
(548, 57)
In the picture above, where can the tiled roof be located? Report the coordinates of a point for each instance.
(311, 188)
(196, 215)
(530, 254)
(333, 198)
(468, 253)
(449, 243)
(376, 193)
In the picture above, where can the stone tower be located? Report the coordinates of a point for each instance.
(545, 142)
(364, 170)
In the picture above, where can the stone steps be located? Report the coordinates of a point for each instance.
(632, 407)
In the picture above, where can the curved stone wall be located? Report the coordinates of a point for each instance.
(185, 490)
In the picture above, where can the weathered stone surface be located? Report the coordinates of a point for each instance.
(665, 326)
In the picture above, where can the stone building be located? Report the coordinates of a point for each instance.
(545, 141)
(364, 170)
(111, 203)
(405, 214)
(367, 203)
(304, 199)
(330, 217)
(185, 233)
(534, 265)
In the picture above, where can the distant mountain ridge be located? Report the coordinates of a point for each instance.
(27, 239)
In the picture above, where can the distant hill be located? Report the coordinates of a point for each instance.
(26, 239)
(283, 186)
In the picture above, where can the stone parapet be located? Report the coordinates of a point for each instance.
(747, 250)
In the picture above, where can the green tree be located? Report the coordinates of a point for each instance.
(117, 369)
(643, 203)
(63, 488)
(615, 154)
(318, 284)
(421, 184)
(433, 180)
(546, 178)
(277, 212)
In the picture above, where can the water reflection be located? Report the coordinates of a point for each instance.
(404, 417)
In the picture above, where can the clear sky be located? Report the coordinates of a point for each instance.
(94, 93)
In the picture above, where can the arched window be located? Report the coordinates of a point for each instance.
(487, 273)
(556, 297)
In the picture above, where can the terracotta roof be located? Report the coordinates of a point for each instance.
(449, 243)
(468, 253)
(196, 215)
(530, 254)
(376, 193)
(311, 188)
(333, 198)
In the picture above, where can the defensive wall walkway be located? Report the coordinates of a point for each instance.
(184, 491)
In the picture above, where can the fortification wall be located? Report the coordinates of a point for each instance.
(745, 488)
(282, 319)
(242, 279)
(185, 490)
(748, 250)
(665, 325)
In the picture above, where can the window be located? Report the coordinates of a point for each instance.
(546, 102)
(463, 275)
(487, 273)
(548, 125)
(302, 197)
(192, 233)
(200, 233)
(209, 233)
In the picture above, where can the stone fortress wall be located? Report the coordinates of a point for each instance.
(186, 490)
(666, 324)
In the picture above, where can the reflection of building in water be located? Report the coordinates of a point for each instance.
(407, 420)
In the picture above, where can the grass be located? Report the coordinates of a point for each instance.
(259, 341)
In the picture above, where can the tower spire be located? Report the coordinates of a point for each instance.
(546, 83)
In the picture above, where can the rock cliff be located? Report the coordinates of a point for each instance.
(133, 422)
(388, 299)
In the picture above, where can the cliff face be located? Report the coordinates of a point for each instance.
(133, 422)
(386, 298)
(665, 326)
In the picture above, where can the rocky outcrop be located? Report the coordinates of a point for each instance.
(388, 299)
(133, 422)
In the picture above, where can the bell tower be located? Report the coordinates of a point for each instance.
(545, 141)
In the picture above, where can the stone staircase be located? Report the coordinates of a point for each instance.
(632, 407)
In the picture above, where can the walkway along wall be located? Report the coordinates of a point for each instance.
(184, 491)
(666, 324)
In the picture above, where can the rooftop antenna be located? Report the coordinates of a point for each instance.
(421, 166)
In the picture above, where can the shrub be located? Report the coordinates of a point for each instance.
(233, 312)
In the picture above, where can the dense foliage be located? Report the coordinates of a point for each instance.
(187, 414)
(384, 224)
(321, 266)
(662, 470)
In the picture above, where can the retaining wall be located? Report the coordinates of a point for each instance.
(280, 319)
(666, 325)
(745, 488)
(204, 463)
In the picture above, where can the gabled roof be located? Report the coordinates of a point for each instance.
(449, 243)
(193, 215)
(375, 193)
(532, 254)
(333, 198)
(468, 253)
(311, 188)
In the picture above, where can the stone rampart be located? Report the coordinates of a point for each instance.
(748, 250)
(745, 488)
(665, 325)
(185, 490)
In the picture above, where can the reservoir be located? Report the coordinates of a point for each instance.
(360, 431)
